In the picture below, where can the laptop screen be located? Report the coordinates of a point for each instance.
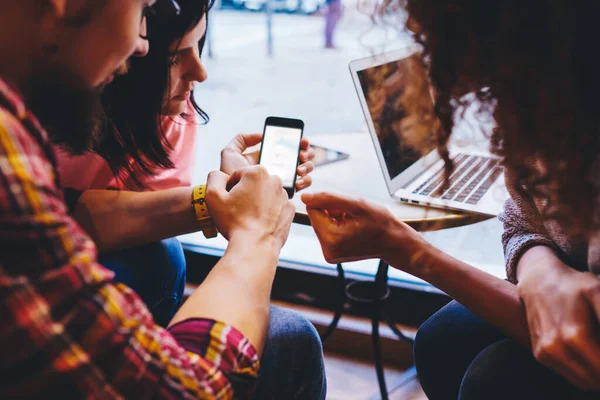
(400, 106)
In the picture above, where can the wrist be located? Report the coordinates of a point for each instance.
(405, 249)
(249, 245)
(202, 212)
(539, 264)
(391, 239)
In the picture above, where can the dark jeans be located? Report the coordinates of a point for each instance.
(155, 271)
(459, 356)
(292, 363)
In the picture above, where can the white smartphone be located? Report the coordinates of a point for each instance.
(280, 150)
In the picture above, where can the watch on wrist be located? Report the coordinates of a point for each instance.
(202, 215)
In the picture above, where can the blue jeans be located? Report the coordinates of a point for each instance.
(155, 271)
(292, 363)
(459, 356)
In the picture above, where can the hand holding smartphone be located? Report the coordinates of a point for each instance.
(280, 150)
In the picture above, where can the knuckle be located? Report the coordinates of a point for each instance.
(210, 179)
(291, 208)
(571, 336)
(277, 182)
(540, 354)
(227, 151)
(546, 349)
(592, 289)
(329, 256)
(252, 172)
(260, 171)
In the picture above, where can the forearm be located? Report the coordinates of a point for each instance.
(121, 219)
(494, 300)
(237, 290)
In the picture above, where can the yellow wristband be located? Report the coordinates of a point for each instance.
(201, 209)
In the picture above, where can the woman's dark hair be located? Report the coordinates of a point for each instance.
(532, 66)
(132, 140)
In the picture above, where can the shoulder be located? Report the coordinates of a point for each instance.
(23, 141)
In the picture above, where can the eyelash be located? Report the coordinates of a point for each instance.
(148, 10)
(175, 59)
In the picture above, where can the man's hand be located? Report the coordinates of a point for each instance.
(234, 157)
(563, 314)
(250, 202)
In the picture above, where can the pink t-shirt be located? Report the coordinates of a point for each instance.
(90, 171)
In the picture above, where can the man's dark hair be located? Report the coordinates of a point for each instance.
(132, 139)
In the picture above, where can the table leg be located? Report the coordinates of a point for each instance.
(388, 320)
(381, 282)
(377, 357)
(340, 306)
(380, 294)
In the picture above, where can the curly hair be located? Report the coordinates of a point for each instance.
(531, 65)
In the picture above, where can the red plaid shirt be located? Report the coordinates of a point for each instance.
(66, 329)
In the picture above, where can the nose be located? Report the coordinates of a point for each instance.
(142, 45)
(197, 72)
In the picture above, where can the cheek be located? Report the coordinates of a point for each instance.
(174, 79)
(176, 84)
(112, 47)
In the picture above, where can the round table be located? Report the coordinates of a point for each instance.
(361, 175)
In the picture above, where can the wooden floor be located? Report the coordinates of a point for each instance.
(349, 379)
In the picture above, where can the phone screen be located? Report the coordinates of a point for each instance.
(279, 153)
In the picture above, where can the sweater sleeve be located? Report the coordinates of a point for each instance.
(523, 229)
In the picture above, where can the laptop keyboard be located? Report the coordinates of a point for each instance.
(472, 177)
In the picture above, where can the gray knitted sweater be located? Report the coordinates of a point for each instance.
(524, 228)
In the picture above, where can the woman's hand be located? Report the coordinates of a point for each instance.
(563, 314)
(351, 229)
(234, 157)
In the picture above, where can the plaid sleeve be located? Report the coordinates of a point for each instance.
(66, 328)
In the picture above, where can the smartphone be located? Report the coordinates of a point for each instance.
(280, 150)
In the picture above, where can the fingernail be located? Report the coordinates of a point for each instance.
(307, 197)
(302, 170)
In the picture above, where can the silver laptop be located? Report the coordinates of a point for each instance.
(412, 168)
